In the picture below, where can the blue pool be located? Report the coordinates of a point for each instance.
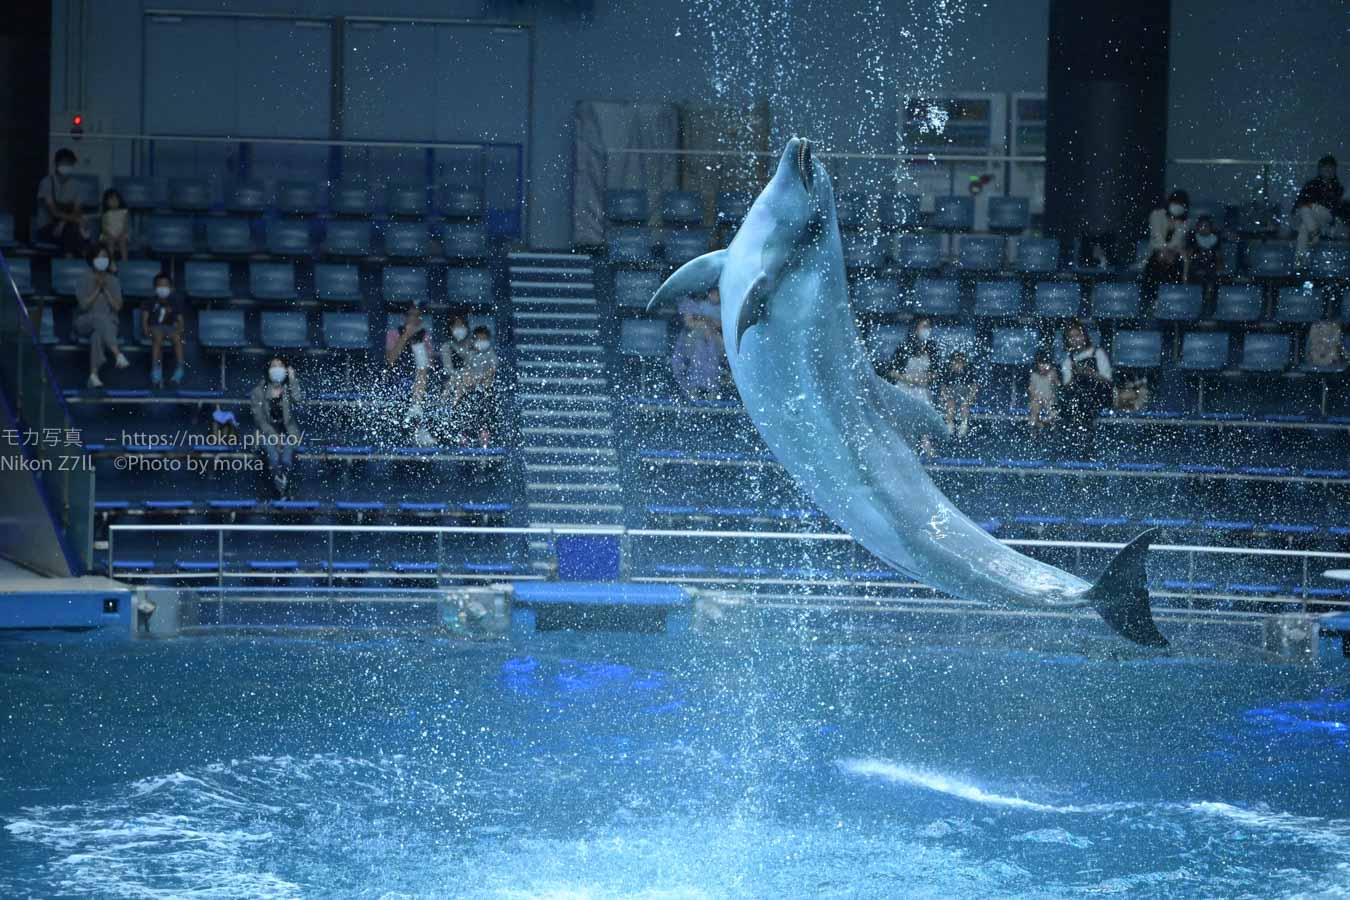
(802, 764)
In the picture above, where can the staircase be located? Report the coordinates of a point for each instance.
(563, 394)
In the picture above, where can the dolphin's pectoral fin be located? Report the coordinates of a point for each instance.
(753, 307)
(698, 276)
(1120, 596)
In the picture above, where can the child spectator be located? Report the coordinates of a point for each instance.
(454, 356)
(957, 392)
(1318, 203)
(114, 225)
(1203, 261)
(915, 361)
(479, 396)
(408, 352)
(98, 300)
(273, 402)
(1085, 373)
(1042, 393)
(162, 319)
(699, 359)
(59, 220)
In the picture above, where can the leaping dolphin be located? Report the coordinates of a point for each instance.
(844, 433)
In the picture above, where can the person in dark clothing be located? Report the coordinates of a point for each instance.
(1319, 202)
(273, 403)
(1168, 228)
(957, 390)
(1203, 262)
(59, 220)
(162, 320)
(1086, 378)
(914, 365)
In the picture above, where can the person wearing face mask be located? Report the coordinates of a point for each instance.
(699, 361)
(408, 352)
(162, 319)
(454, 356)
(273, 403)
(98, 301)
(479, 401)
(1203, 261)
(1168, 227)
(59, 220)
(915, 362)
(1086, 376)
(1318, 203)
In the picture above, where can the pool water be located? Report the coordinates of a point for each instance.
(612, 765)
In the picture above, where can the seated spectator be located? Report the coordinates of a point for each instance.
(59, 220)
(162, 319)
(1319, 202)
(114, 225)
(1203, 261)
(273, 402)
(957, 391)
(477, 407)
(915, 361)
(1042, 393)
(224, 427)
(1326, 346)
(699, 361)
(98, 300)
(1168, 227)
(454, 356)
(407, 353)
(1132, 394)
(1085, 373)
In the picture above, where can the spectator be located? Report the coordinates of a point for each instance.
(915, 361)
(58, 207)
(1326, 346)
(1318, 203)
(478, 401)
(1132, 394)
(224, 427)
(1168, 227)
(957, 391)
(162, 319)
(274, 401)
(1203, 260)
(98, 299)
(1042, 392)
(454, 356)
(408, 350)
(1085, 373)
(114, 225)
(699, 360)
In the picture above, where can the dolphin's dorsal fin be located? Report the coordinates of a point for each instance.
(698, 276)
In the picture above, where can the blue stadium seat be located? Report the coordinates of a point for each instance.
(221, 329)
(1204, 351)
(189, 194)
(464, 240)
(350, 199)
(346, 331)
(681, 208)
(917, 251)
(1058, 299)
(626, 206)
(1266, 353)
(1178, 302)
(1137, 349)
(229, 235)
(66, 275)
(878, 296)
(272, 280)
(955, 339)
(404, 284)
(1115, 300)
(981, 253)
(953, 213)
(1271, 259)
(297, 198)
(471, 286)
(643, 337)
(1013, 346)
(405, 199)
(138, 277)
(248, 198)
(337, 282)
(683, 244)
(631, 244)
(347, 237)
(289, 237)
(901, 211)
(90, 190)
(284, 330)
(1009, 215)
(936, 297)
(21, 270)
(405, 240)
(998, 298)
(863, 250)
(458, 202)
(138, 192)
(1330, 260)
(207, 280)
(1299, 305)
(732, 206)
(1238, 303)
(850, 208)
(1038, 255)
(170, 234)
(633, 288)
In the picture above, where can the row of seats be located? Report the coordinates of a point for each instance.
(277, 281)
(228, 329)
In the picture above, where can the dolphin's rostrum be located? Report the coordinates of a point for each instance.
(845, 434)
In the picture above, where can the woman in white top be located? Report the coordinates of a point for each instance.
(1085, 379)
(915, 362)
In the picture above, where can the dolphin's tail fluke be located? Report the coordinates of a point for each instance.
(1120, 596)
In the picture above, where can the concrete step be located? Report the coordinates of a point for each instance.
(556, 509)
(582, 383)
(583, 487)
(563, 430)
(557, 470)
(538, 412)
(548, 254)
(580, 335)
(560, 399)
(560, 365)
(536, 270)
(553, 301)
(531, 349)
(551, 316)
(570, 286)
